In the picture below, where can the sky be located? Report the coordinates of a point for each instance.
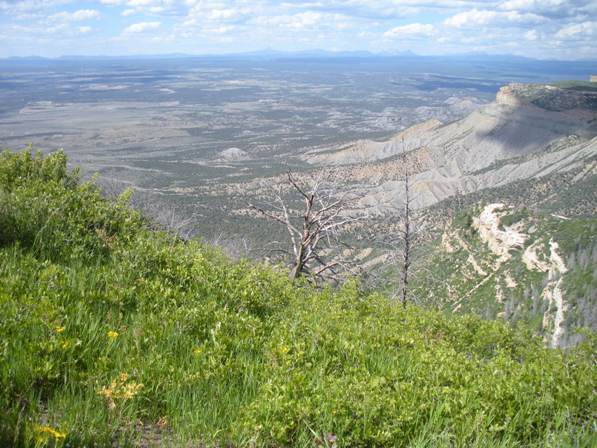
(545, 29)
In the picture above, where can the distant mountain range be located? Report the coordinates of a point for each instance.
(314, 53)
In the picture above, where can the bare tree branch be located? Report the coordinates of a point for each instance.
(314, 230)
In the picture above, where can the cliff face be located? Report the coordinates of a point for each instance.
(563, 97)
(530, 131)
(508, 96)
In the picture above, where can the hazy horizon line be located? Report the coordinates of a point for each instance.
(311, 52)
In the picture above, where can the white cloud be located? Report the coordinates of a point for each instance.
(577, 30)
(15, 7)
(77, 16)
(129, 3)
(222, 14)
(411, 30)
(301, 20)
(139, 2)
(85, 14)
(536, 5)
(476, 17)
(473, 17)
(224, 29)
(142, 27)
(154, 7)
(531, 35)
(541, 28)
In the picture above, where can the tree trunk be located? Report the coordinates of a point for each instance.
(297, 269)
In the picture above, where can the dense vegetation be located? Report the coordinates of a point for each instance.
(112, 334)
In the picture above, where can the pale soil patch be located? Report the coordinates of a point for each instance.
(552, 292)
(531, 260)
(500, 241)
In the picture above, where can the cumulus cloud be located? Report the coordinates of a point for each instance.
(19, 6)
(297, 21)
(532, 27)
(531, 35)
(556, 10)
(77, 16)
(152, 7)
(142, 27)
(225, 13)
(223, 29)
(411, 30)
(476, 17)
(529, 5)
(577, 30)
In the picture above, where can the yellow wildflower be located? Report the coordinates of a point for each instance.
(59, 329)
(197, 351)
(283, 349)
(45, 432)
(112, 335)
(120, 388)
(130, 390)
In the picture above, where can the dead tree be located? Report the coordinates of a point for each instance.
(236, 248)
(402, 243)
(315, 229)
(406, 234)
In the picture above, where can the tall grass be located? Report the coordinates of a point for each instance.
(112, 334)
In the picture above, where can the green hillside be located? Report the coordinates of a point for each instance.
(114, 334)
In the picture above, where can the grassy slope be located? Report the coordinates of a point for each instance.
(111, 333)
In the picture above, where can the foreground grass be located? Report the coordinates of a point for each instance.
(113, 334)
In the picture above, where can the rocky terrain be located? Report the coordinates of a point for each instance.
(519, 265)
(506, 199)
(514, 138)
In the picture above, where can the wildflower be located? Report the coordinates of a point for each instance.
(197, 351)
(283, 349)
(130, 390)
(45, 432)
(120, 389)
(59, 329)
(112, 335)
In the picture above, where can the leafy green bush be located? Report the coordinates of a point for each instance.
(512, 218)
(125, 336)
(44, 207)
